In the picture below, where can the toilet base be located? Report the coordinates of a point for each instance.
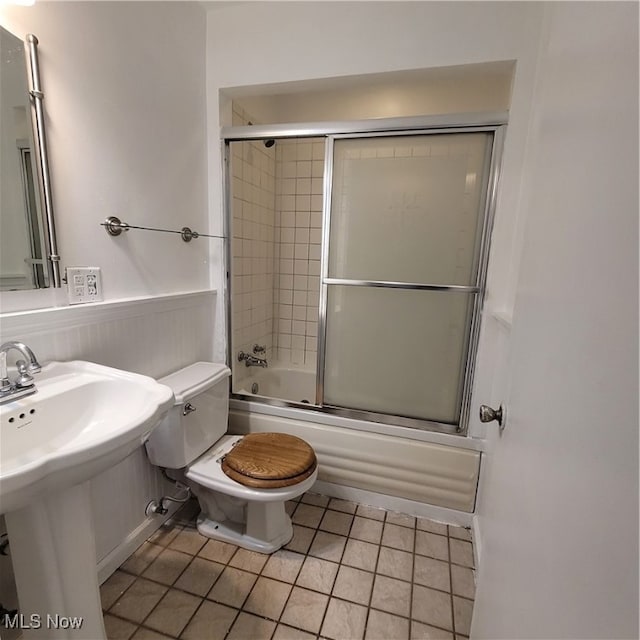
(234, 533)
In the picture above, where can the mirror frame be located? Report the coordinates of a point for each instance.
(36, 97)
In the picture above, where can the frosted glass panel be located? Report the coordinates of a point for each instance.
(395, 351)
(408, 208)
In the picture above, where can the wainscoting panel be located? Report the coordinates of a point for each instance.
(152, 336)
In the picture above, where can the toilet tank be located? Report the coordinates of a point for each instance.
(198, 418)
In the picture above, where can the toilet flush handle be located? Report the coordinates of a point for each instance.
(187, 409)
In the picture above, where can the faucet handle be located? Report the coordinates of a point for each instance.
(24, 379)
(257, 348)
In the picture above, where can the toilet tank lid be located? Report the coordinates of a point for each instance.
(195, 378)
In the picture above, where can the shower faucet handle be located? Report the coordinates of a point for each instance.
(257, 348)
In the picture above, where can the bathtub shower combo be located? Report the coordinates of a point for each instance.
(357, 259)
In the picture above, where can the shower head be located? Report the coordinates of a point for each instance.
(269, 143)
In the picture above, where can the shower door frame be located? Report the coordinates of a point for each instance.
(494, 123)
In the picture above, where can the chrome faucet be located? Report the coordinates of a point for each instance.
(23, 385)
(252, 360)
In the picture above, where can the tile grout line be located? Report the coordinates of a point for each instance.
(375, 575)
(413, 574)
(453, 613)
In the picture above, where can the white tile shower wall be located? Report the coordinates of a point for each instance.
(298, 238)
(253, 168)
(151, 336)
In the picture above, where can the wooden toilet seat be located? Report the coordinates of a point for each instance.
(270, 461)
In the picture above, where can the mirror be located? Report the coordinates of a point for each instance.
(28, 252)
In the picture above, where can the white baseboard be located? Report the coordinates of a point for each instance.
(117, 556)
(477, 540)
(393, 503)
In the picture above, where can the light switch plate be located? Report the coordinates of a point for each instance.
(84, 284)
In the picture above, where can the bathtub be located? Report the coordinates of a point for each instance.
(292, 385)
(413, 467)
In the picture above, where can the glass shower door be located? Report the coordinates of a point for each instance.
(402, 272)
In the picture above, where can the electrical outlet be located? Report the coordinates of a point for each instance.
(84, 284)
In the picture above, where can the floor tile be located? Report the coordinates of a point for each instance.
(307, 515)
(432, 607)
(118, 629)
(212, 621)
(290, 507)
(188, 541)
(301, 540)
(359, 554)
(173, 612)
(248, 560)
(218, 551)
(396, 564)
(149, 634)
(317, 574)
(344, 620)
(305, 609)
(232, 587)
(328, 546)
(114, 587)
(199, 576)
(267, 598)
(336, 522)
(342, 505)
(400, 519)
(284, 632)
(391, 595)
(421, 631)
(141, 558)
(432, 545)
(460, 532)
(250, 627)
(366, 530)
(139, 599)
(354, 585)
(165, 534)
(315, 499)
(424, 524)
(384, 626)
(370, 512)
(461, 552)
(463, 581)
(462, 611)
(350, 571)
(167, 566)
(283, 565)
(398, 537)
(433, 573)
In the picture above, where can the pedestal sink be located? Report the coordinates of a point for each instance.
(83, 419)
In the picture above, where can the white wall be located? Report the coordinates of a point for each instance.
(558, 510)
(125, 101)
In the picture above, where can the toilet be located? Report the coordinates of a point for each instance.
(241, 482)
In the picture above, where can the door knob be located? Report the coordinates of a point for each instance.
(488, 414)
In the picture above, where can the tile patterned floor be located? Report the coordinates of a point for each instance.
(350, 572)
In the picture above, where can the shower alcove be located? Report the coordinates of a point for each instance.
(359, 215)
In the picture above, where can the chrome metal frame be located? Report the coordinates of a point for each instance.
(36, 97)
(461, 123)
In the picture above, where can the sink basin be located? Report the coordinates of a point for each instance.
(83, 419)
